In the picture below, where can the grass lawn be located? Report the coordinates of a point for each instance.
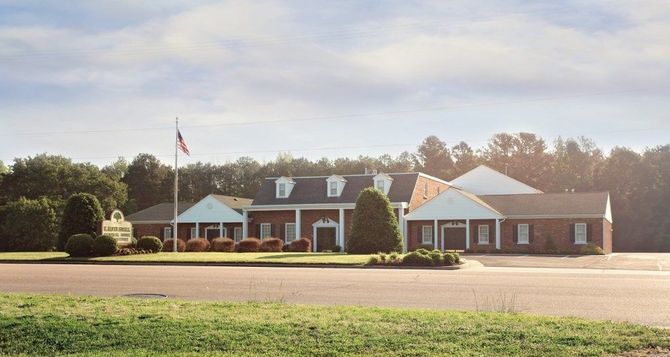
(277, 258)
(51, 324)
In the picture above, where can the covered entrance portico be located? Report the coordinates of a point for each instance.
(326, 233)
(451, 215)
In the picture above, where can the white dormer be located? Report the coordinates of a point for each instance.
(284, 186)
(335, 185)
(383, 182)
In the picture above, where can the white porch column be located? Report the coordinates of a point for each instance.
(497, 234)
(401, 223)
(435, 234)
(467, 234)
(197, 230)
(245, 224)
(220, 229)
(314, 239)
(340, 231)
(297, 224)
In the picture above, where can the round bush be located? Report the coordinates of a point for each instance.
(457, 257)
(79, 245)
(149, 243)
(104, 246)
(81, 214)
(168, 245)
(133, 243)
(300, 245)
(449, 259)
(417, 259)
(222, 244)
(271, 245)
(437, 257)
(249, 245)
(197, 245)
(286, 248)
(591, 249)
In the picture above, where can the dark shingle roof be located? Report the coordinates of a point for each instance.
(310, 190)
(549, 204)
(160, 212)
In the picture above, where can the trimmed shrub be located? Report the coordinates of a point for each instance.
(591, 249)
(417, 259)
(28, 225)
(457, 257)
(249, 245)
(133, 243)
(337, 249)
(197, 245)
(222, 244)
(104, 245)
(285, 248)
(437, 257)
(449, 259)
(300, 245)
(82, 214)
(374, 225)
(271, 245)
(373, 260)
(79, 245)
(168, 245)
(423, 251)
(149, 243)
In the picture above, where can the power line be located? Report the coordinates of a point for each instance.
(324, 118)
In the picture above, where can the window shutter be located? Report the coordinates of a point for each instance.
(420, 235)
(589, 231)
(531, 232)
(516, 234)
(162, 233)
(572, 232)
(257, 233)
(282, 232)
(272, 230)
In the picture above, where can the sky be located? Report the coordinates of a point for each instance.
(96, 80)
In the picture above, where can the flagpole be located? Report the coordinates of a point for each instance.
(176, 186)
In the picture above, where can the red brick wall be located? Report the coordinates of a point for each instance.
(419, 196)
(184, 229)
(414, 234)
(558, 230)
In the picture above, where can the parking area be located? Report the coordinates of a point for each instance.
(628, 261)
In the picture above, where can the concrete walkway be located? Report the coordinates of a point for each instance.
(625, 261)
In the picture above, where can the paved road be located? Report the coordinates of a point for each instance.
(636, 296)
(626, 261)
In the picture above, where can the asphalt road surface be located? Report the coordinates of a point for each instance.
(636, 296)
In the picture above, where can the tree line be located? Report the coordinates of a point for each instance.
(638, 182)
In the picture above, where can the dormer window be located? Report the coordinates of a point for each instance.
(383, 183)
(335, 185)
(284, 186)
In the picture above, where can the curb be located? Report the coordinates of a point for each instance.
(466, 264)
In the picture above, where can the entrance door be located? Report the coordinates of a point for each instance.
(454, 238)
(326, 238)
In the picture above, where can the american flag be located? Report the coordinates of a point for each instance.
(181, 144)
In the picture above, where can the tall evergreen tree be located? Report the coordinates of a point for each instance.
(82, 214)
(374, 226)
(433, 158)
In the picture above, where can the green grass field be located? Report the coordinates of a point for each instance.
(50, 325)
(276, 258)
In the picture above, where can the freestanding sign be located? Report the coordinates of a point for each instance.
(118, 228)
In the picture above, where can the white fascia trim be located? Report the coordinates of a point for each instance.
(313, 206)
(151, 222)
(213, 222)
(435, 178)
(561, 216)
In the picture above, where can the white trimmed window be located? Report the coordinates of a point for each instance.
(483, 235)
(237, 234)
(522, 233)
(194, 233)
(580, 233)
(281, 190)
(289, 232)
(266, 230)
(167, 232)
(380, 185)
(333, 189)
(427, 234)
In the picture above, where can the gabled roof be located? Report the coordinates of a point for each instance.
(235, 203)
(215, 208)
(483, 180)
(454, 203)
(551, 204)
(162, 212)
(313, 190)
